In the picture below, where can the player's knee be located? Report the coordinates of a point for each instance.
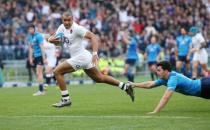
(56, 72)
(39, 73)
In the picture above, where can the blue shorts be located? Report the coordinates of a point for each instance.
(205, 87)
(183, 59)
(131, 62)
(38, 61)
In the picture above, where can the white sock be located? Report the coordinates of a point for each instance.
(122, 86)
(65, 94)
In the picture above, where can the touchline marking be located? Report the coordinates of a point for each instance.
(54, 116)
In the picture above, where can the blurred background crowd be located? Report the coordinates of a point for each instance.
(107, 18)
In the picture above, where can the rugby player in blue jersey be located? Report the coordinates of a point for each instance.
(132, 58)
(37, 55)
(183, 46)
(175, 82)
(152, 55)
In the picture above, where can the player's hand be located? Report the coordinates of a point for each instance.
(95, 60)
(132, 84)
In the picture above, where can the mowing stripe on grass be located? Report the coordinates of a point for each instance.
(97, 117)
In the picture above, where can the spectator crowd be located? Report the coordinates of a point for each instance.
(107, 18)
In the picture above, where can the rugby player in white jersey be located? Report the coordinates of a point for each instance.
(71, 34)
(200, 55)
(50, 51)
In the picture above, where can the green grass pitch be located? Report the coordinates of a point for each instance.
(100, 107)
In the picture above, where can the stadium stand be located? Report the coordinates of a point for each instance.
(108, 19)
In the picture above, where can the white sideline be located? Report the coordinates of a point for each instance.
(97, 117)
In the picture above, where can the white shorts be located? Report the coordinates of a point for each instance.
(51, 62)
(201, 56)
(81, 61)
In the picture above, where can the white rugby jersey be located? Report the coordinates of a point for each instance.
(197, 40)
(73, 38)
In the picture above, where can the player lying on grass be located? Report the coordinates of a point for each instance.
(71, 35)
(175, 82)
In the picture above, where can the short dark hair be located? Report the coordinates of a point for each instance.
(166, 65)
(67, 13)
(183, 27)
(31, 26)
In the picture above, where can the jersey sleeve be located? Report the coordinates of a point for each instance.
(172, 83)
(81, 31)
(159, 82)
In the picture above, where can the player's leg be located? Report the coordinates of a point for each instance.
(48, 74)
(130, 69)
(51, 63)
(205, 69)
(151, 73)
(39, 74)
(204, 62)
(38, 62)
(153, 70)
(179, 65)
(59, 72)
(131, 72)
(126, 69)
(150, 70)
(195, 69)
(187, 66)
(97, 76)
(205, 88)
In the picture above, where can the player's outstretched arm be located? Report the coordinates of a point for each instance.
(95, 42)
(146, 84)
(164, 100)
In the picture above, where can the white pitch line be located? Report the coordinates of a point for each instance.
(97, 117)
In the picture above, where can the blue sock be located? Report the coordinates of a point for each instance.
(152, 76)
(41, 87)
(130, 77)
